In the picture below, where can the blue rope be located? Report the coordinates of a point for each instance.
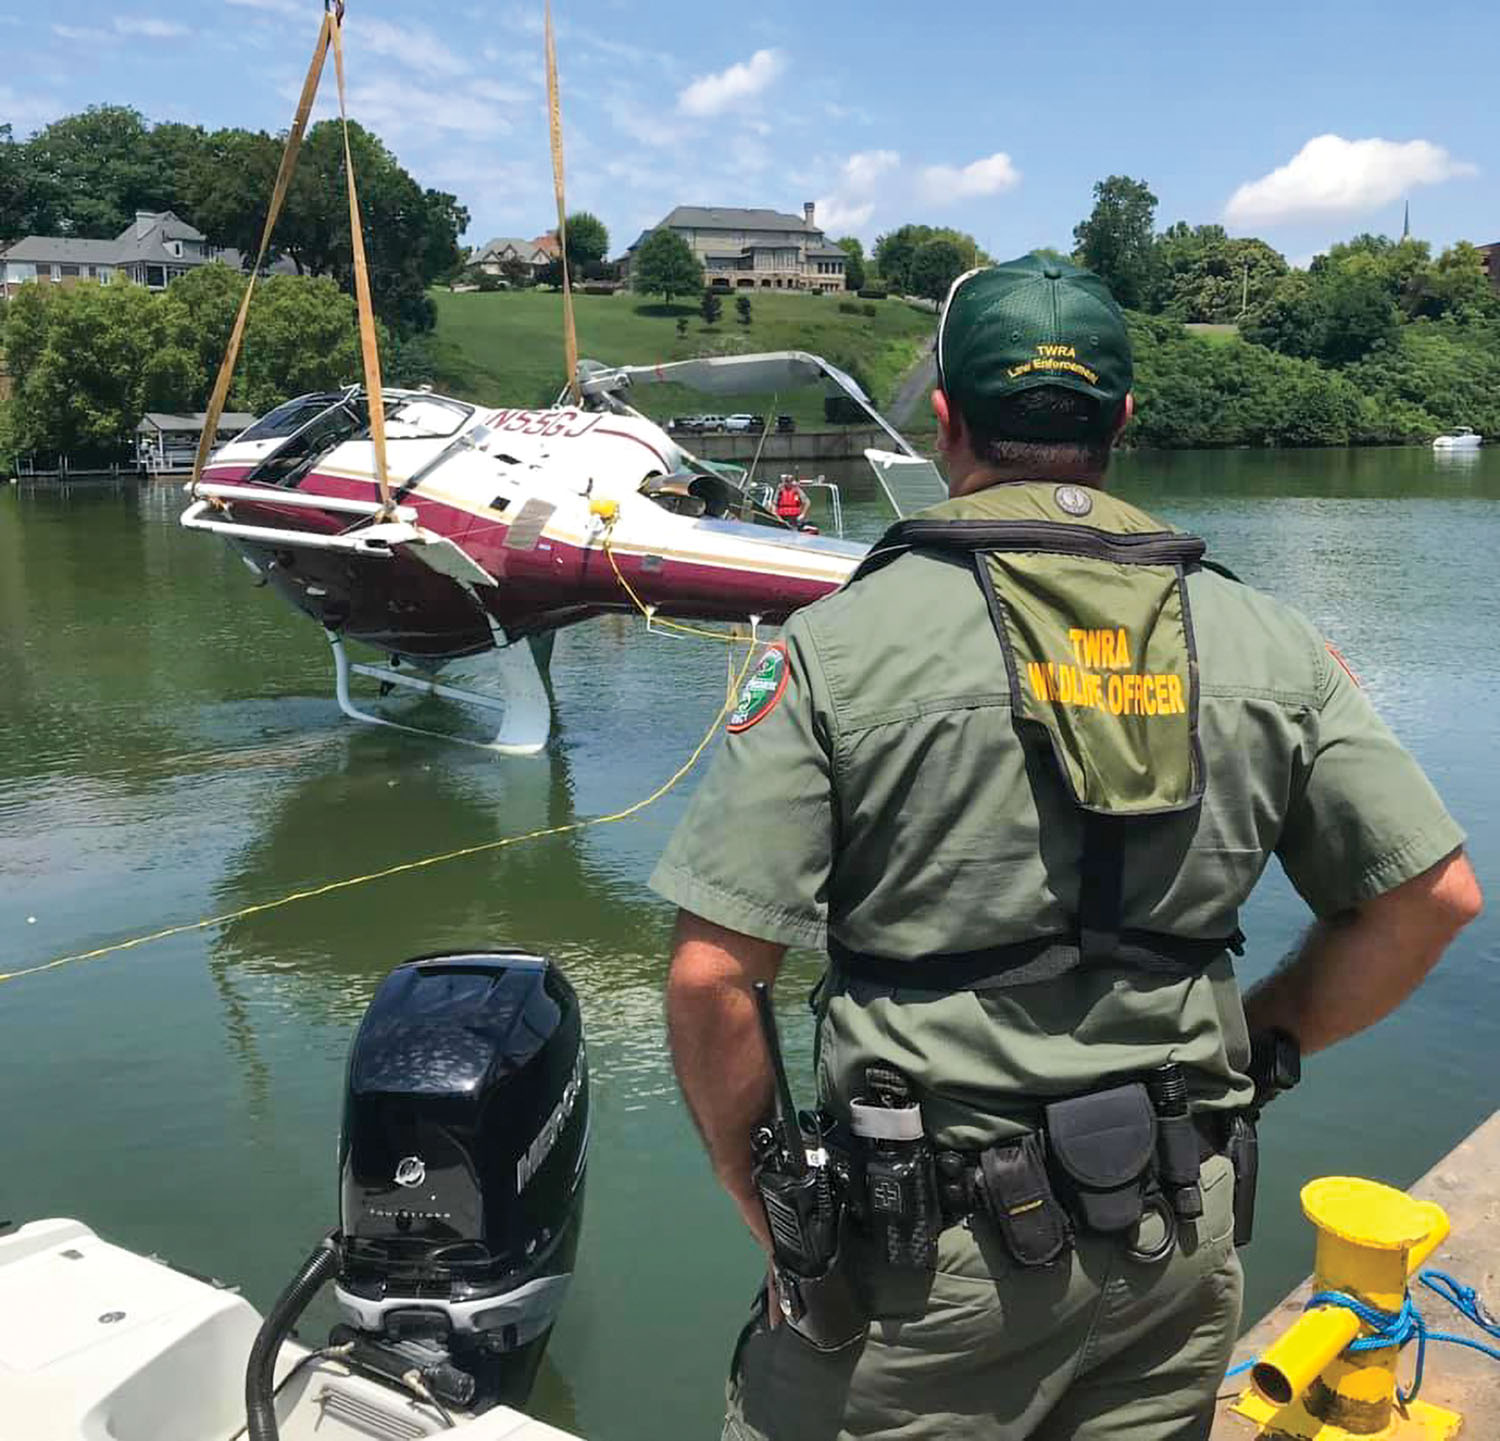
(1400, 1328)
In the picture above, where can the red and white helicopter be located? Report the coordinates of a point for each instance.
(503, 526)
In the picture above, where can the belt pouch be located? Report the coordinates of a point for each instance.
(1018, 1198)
(1103, 1144)
(1244, 1156)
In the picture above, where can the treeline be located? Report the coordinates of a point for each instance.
(86, 175)
(1377, 342)
(87, 361)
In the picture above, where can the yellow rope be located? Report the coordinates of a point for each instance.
(245, 911)
(727, 637)
(369, 342)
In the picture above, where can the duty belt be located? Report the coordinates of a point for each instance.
(1021, 963)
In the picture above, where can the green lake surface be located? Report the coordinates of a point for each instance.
(170, 749)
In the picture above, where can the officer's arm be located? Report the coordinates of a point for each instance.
(1355, 969)
(1372, 849)
(717, 1049)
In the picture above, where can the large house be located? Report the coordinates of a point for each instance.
(754, 249)
(1489, 257)
(493, 256)
(153, 252)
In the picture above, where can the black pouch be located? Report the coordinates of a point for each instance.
(1243, 1151)
(1103, 1146)
(1017, 1196)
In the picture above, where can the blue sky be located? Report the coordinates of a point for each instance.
(1300, 122)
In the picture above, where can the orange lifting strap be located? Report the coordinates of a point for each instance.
(330, 32)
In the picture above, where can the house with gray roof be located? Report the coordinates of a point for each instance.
(153, 251)
(749, 249)
(494, 255)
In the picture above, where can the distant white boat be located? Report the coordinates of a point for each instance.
(1460, 439)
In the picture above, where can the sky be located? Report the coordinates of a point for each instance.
(1302, 122)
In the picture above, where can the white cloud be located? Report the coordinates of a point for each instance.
(412, 45)
(150, 26)
(83, 34)
(277, 7)
(993, 175)
(852, 202)
(1331, 176)
(714, 94)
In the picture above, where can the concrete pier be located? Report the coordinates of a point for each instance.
(1464, 1183)
(846, 442)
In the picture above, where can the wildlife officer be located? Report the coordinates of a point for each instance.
(1017, 778)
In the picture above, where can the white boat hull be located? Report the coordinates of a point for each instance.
(1458, 442)
(100, 1344)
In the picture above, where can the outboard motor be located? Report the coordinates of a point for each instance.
(462, 1157)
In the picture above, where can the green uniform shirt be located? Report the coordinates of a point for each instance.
(887, 799)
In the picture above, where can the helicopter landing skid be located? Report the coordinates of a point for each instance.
(525, 704)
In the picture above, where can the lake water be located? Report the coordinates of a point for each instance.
(169, 749)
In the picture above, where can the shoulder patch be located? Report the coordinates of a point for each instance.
(763, 690)
(1072, 500)
(1338, 655)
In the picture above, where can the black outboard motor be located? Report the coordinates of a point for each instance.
(465, 1137)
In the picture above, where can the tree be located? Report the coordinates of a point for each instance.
(13, 189)
(1201, 275)
(665, 266)
(1291, 319)
(1117, 240)
(895, 251)
(710, 307)
(227, 189)
(88, 360)
(100, 168)
(517, 272)
(1458, 285)
(411, 234)
(742, 305)
(588, 242)
(550, 274)
(79, 361)
(1360, 316)
(682, 327)
(934, 267)
(854, 267)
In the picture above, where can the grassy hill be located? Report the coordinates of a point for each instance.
(507, 348)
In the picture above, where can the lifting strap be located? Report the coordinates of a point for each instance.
(330, 32)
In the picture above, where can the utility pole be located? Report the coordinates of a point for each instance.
(1245, 293)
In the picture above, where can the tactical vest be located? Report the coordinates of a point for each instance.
(1089, 602)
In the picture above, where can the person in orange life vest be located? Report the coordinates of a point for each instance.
(791, 501)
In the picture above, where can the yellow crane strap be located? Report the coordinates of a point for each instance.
(554, 116)
(368, 343)
(288, 165)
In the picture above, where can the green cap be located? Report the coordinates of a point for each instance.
(1010, 329)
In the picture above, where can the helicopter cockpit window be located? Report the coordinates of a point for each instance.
(287, 419)
(424, 417)
(337, 423)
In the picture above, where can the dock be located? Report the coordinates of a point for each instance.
(1464, 1184)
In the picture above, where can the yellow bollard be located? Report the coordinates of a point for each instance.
(1307, 1386)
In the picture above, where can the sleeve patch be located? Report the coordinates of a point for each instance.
(766, 686)
(1338, 655)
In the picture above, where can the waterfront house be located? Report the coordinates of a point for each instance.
(1489, 258)
(742, 249)
(152, 251)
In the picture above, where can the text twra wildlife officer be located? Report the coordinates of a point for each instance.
(1018, 777)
